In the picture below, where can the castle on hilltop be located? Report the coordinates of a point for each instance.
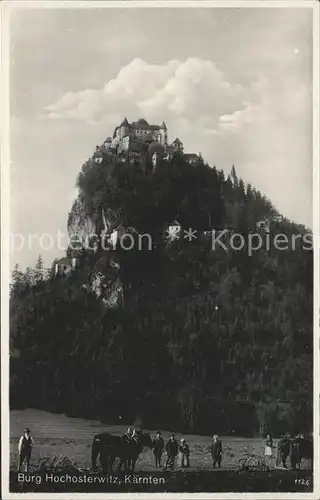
(131, 141)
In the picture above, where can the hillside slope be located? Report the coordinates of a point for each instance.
(200, 338)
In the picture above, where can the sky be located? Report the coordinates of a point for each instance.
(234, 84)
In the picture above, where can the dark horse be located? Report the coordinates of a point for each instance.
(107, 447)
(297, 449)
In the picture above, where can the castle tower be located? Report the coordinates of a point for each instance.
(163, 135)
(178, 146)
(124, 128)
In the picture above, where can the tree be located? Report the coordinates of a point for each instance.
(17, 280)
(39, 271)
(28, 278)
(234, 177)
(193, 322)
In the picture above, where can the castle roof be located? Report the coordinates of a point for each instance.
(64, 261)
(191, 156)
(142, 121)
(108, 139)
(174, 223)
(143, 124)
(164, 126)
(97, 154)
(177, 141)
(125, 122)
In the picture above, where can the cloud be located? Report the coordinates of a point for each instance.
(228, 83)
(263, 126)
(194, 89)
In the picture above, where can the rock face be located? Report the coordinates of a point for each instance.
(109, 291)
(80, 224)
(104, 281)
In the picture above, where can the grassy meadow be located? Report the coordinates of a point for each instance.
(58, 437)
(72, 437)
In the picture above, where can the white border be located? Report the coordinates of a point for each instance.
(6, 8)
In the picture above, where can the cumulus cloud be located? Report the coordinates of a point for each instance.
(263, 126)
(194, 89)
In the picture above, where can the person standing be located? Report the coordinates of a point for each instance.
(269, 446)
(295, 450)
(283, 449)
(216, 451)
(279, 449)
(172, 451)
(184, 453)
(25, 446)
(158, 447)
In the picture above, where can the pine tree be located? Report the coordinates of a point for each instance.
(48, 273)
(39, 271)
(234, 177)
(28, 278)
(17, 280)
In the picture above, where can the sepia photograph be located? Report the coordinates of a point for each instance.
(159, 215)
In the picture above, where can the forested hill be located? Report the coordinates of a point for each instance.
(202, 339)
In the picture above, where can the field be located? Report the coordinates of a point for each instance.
(72, 437)
(61, 436)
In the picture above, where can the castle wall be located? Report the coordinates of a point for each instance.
(125, 132)
(163, 137)
(142, 133)
(124, 144)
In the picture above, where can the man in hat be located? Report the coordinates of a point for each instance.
(158, 447)
(172, 451)
(25, 446)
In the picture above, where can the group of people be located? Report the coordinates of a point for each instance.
(173, 449)
(283, 441)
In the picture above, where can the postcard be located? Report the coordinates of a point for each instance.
(160, 249)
